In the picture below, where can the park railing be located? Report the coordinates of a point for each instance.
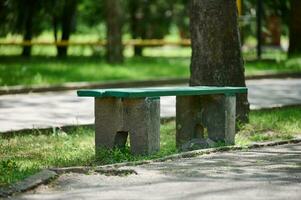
(142, 43)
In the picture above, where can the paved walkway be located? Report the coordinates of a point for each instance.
(65, 108)
(267, 173)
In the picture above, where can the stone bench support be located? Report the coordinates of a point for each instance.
(202, 112)
(211, 116)
(116, 118)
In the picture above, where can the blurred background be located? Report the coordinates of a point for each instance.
(56, 41)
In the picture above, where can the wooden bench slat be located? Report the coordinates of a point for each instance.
(160, 91)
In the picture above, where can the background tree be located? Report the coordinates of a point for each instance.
(3, 16)
(114, 24)
(136, 22)
(275, 17)
(149, 19)
(91, 14)
(65, 18)
(29, 9)
(55, 9)
(22, 17)
(216, 54)
(24, 20)
(295, 28)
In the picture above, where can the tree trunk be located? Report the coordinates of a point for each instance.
(67, 22)
(114, 31)
(28, 32)
(259, 13)
(216, 54)
(135, 24)
(55, 24)
(295, 28)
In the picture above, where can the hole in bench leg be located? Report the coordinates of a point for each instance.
(121, 139)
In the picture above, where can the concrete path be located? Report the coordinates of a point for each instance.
(267, 173)
(65, 108)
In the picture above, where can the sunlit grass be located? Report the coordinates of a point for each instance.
(278, 124)
(273, 66)
(88, 64)
(21, 156)
(43, 71)
(30, 153)
(51, 71)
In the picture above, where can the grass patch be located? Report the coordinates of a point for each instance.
(21, 156)
(273, 66)
(50, 70)
(44, 71)
(269, 125)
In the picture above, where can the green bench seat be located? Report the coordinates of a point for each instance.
(160, 91)
(201, 111)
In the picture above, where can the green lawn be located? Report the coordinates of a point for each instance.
(41, 71)
(21, 156)
(273, 66)
(49, 70)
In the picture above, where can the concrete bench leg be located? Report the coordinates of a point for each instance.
(230, 122)
(199, 116)
(142, 120)
(188, 119)
(108, 122)
(219, 118)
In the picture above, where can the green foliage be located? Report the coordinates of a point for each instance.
(11, 170)
(114, 156)
(181, 17)
(145, 19)
(91, 13)
(7, 169)
(18, 13)
(152, 18)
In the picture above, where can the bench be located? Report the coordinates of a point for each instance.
(201, 111)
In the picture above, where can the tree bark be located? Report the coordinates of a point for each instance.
(114, 31)
(295, 28)
(216, 48)
(67, 19)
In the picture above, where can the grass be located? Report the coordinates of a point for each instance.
(42, 71)
(269, 125)
(273, 66)
(23, 155)
(51, 71)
